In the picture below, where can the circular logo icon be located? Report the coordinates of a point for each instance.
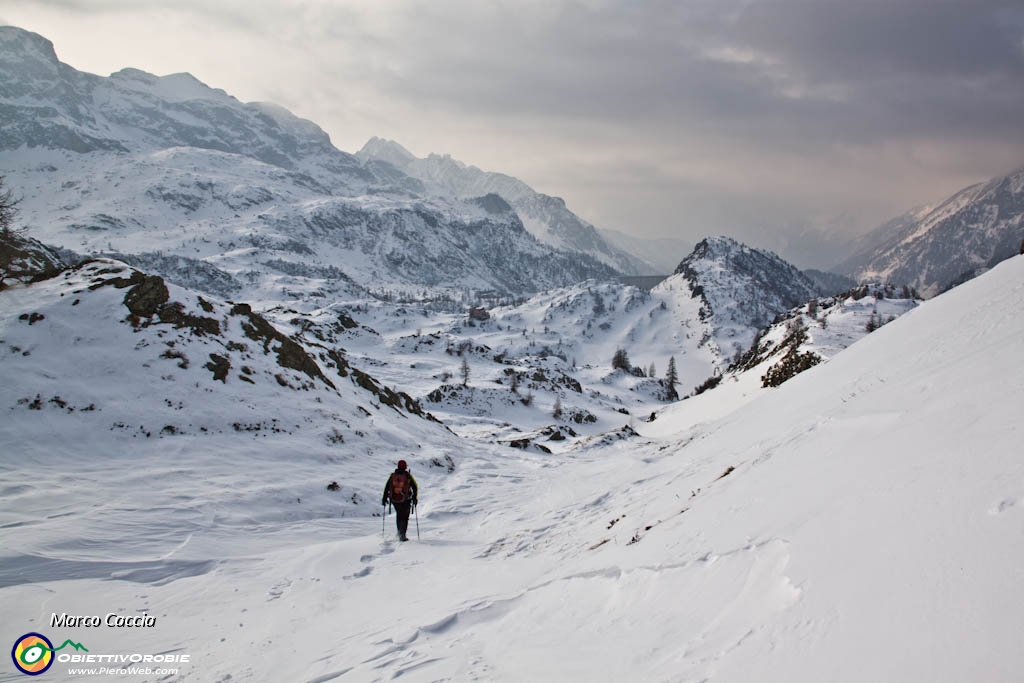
(32, 654)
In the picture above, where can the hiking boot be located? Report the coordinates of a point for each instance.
(403, 537)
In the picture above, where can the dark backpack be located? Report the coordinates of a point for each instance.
(400, 487)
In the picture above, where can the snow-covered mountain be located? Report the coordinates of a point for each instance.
(936, 247)
(168, 172)
(547, 218)
(49, 104)
(742, 289)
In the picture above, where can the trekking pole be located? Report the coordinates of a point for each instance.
(416, 514)
(383, 518)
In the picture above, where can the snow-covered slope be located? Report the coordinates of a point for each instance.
(797, 341)
(860, 522)
(266, 208)
(546, 218)
(104, 365)
(934, 248)
(576, 332)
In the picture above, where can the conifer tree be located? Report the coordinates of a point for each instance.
(671, 376)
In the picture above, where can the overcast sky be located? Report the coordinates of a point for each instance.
(752, 118)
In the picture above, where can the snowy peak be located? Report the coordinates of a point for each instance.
(180, 87)
(726, 256)
(743, 289)
(50, 105)
(20, 46)
(385, 150)
(935, 248)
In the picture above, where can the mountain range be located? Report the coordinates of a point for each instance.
(546, 218)
(251, 201)
(933, 248)
(247, 202)
(153, 167)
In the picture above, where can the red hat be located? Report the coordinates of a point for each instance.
(402, 465)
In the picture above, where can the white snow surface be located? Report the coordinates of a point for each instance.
(863, 522)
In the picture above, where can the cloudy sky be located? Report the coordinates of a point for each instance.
(773, 121)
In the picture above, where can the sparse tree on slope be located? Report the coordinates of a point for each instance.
(8, 210)
(672, 378)
(9, 248)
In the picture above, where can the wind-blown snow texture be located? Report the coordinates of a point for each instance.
(861, 522)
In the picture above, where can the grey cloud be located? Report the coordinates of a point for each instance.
(873, 38)
(861, 71)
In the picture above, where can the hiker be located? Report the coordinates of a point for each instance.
(403, 493)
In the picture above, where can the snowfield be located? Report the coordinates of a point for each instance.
(196, 428)
(862, 522)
